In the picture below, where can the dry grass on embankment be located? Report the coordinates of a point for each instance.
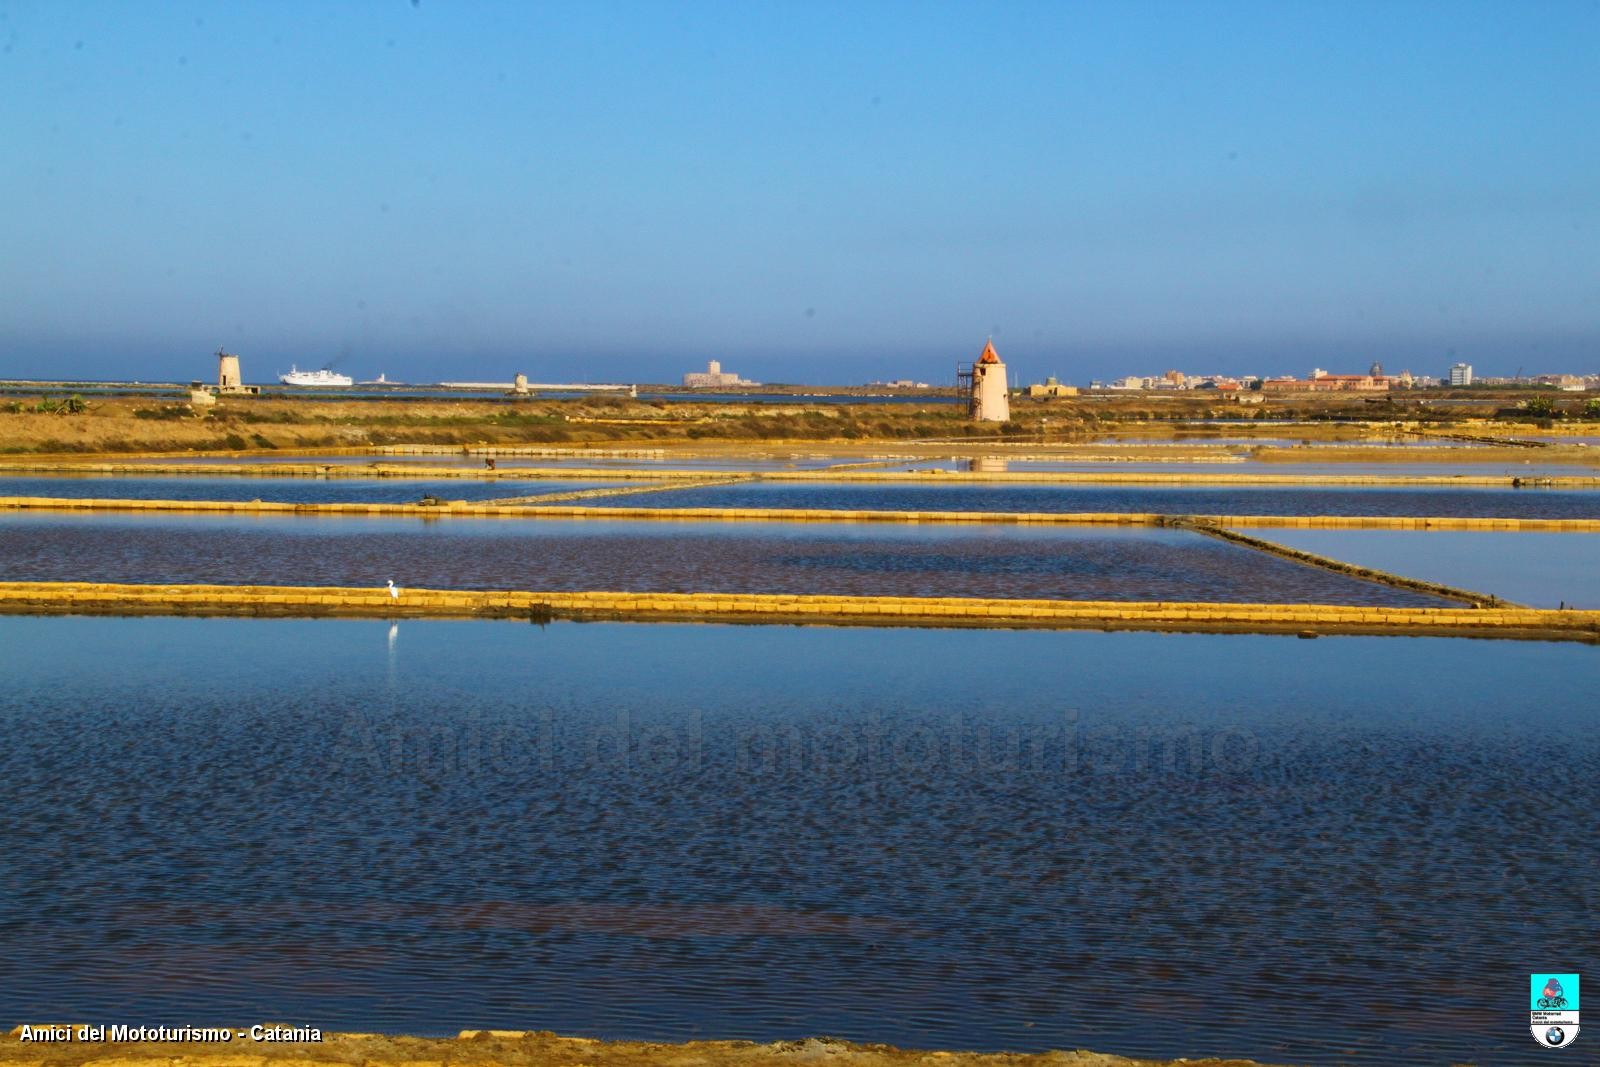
(542, 1049)
(125, 424)
(103, 598)
(157, 424)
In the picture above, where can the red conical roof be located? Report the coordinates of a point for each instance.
(989, 354)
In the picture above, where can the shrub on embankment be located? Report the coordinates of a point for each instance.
(128, 424)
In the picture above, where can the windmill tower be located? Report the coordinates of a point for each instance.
(990, 397)
(228, 378)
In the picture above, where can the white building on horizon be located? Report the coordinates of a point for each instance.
(712, 377)
(1461, 374)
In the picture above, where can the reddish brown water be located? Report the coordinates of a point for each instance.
(837, 558)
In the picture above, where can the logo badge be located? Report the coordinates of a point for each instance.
(1553, 1009)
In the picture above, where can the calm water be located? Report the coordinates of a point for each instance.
(1250, 466)
(1539, 569)
(981, 839)
(842, 558)
(1184, 440)
(1256, 467)
(1241, 461)
(1173, 500)
(285, 490)
(1587, 440)
(1354, 441)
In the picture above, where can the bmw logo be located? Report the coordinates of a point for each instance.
(1555, 1035)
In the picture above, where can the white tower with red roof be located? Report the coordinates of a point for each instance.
(991, 399)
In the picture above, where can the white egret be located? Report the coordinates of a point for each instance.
(394, 590)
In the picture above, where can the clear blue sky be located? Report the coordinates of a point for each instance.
(809, 191)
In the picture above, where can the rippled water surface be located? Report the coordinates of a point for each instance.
(1135, 563)
(1236, 463)
(1182, 500)
(1130, 842)
(1247, 465)
(1587, 440)
(286, 490)
(1183, 440)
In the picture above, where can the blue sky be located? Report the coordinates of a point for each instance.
(811, 192)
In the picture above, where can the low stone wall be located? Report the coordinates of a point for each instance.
(924, 477)
(522, 1048)
(595, 494)
(467, 509)
(121, 599)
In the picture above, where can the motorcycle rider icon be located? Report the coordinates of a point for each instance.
(1553, 1009)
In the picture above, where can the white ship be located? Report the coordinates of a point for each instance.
(314, 377)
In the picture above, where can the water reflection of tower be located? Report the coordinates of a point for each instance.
(394, 634)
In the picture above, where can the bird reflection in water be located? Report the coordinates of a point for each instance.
(394, 634)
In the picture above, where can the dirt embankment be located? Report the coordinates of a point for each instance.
(124, 424)
(518, 1049)
(162, 424)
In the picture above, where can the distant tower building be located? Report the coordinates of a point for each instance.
(713, 376)
(991, 400)
(1376, 370)
(228, 379)
(1461, 374)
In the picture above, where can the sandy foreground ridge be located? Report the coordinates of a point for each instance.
(518, 1048)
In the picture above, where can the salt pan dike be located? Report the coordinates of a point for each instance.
(847, 559)
(284, 490)
(1194, 462)
(515, 461)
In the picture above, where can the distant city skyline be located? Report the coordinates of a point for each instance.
(668, 369)
(819, 193)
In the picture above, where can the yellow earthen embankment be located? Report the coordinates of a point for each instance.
(522, 1048)
(101, 598)
(625, 490)
(468, 509)
(917, 477)
(351, 470)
